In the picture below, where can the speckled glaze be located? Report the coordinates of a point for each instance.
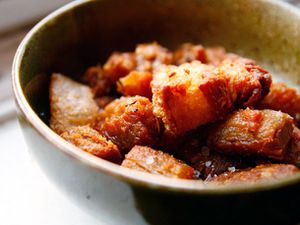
(84, 33)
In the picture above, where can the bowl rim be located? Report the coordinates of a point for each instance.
(126, 175)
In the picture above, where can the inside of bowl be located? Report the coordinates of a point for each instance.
(86, 33)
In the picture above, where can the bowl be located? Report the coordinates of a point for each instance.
(84, 33)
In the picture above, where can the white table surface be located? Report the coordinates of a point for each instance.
(26, 196)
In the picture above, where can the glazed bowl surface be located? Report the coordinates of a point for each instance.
(84, 33)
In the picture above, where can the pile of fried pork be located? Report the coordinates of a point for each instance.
(194, 113)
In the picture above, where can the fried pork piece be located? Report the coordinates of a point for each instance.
(260, 173)
(119, 65)
(104, 100)
(248, 83)
(187, 53)
(293, 154)
(129, 121)
(148, 160)
(92, 142)
(95, 78)
(147, 57)
(213, 56)
(71, 104)
(208, 162)
(136, 83)
(283, 98)
(253, 132)
(195, 94)
(217, 55)
(188, 96)
(150, 56)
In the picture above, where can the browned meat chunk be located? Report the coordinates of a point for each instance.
(180, 93)
(95, 78)
(260, 173)
(104, 100)
(71, 104)
(136, 83)
(293, 154)
(253, 132)
(217, 55)
(187, 53)
(119, 65)
(146, 58)
(214, 56)
(208, 162)
(248, 83)
(283, 98)
(148, 160)
(128, 122)
(195, 94)
(150, 56)
(92, 142)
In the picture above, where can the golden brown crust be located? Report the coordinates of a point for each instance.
(260, 173)
(119, 65)
(71, 104)
(293, 154)
(148, 160)
(187, 53)
(253, 132)
(217, 55)
(146, 58)
(213, 56)
(177, 98)
(92, 142)
(195, 94)
(283, 98)
(152, 55)
(136, 83)
(129, 121)
(95, 78)
(248, 83)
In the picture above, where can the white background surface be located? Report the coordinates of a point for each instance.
(14, 11)
(26, 195)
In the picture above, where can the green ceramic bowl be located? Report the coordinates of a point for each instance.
(84, 33)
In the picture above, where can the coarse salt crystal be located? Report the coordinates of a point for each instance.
(149, 160)
(231, 169)
(197, 173)
(208, 163)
